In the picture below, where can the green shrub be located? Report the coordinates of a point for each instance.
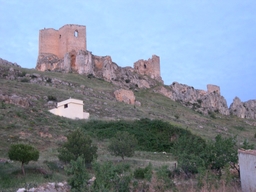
(22, 74)
(123, 144)
(111, 177)
(164, 181)
(78, 175)
(211, 114)
(152, 135)
(23, 153)
(139, 173)
(78, 145)
(247, 145)
(51, 98)
(49, 80)
(143, 173)
(24, 80)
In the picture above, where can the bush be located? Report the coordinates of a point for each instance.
(23, 153)
(51, 98)
(49, 80)
(164, 181)
(24, 80)
(78, 144)
(211, 114)
(111, 177)
(123, 144)
(152, 135)
(221, 152)
(143, 173)
(139, 173)
(78, 175)
(247, 145)
(22, 74)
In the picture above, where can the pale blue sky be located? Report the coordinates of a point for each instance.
(199, 42)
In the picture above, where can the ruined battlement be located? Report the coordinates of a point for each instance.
(68, 38)
(150, 67)
(213, 88)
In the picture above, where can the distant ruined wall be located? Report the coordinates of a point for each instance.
(59, 42)
(150, 67)
(213, 88)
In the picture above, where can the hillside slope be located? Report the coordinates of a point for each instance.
(26, 95)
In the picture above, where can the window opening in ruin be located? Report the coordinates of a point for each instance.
(66, 106)
(145, 66)
(60, 36)
(76, 33)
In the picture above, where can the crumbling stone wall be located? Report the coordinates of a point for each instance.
(150, 67)
(59, 42)
(213, 88)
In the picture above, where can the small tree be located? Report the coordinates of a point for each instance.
(221, 152)
(78, 175)
(23, 153)
(78, 144)
(123, 144)
(111, 177)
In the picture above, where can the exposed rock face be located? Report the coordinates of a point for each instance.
(126, 96)
(199, 100)
(7, 63)
(84, 62)
(243, 109)
(16, 100)
(47, 62)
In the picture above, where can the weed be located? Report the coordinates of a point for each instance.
(51, 98)
(24, 80)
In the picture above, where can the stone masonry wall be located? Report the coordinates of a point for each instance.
(150, 67)
(59, 42)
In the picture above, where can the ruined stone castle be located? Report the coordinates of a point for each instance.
(65, 50)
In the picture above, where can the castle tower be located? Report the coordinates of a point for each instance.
(151, 67)
(69, 38)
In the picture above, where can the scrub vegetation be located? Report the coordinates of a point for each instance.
(176, 147)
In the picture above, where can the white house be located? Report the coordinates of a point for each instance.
(247, 164)
(70, 108)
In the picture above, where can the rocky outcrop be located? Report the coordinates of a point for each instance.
(8, 63)
(199, 100)
(85, 63)
(126, 96)
(47, 62)
(241, 109)
(17, 100)
(49, 187)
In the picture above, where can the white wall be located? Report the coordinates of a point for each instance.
(247, 163)
(71, 108)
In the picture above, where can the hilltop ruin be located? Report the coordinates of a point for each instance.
(65, 50)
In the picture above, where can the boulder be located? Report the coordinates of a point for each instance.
(126, 96)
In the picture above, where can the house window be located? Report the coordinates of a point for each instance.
(76, 33)
(66, 106)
